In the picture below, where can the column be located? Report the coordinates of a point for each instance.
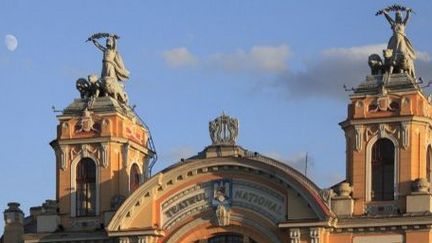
(294, 235)
(314, 234)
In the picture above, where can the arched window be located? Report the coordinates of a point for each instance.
(383, 170)
(86, 187)
(134, 179)
(231, 238)
(428, 164)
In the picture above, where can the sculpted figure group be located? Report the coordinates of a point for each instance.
(112, 75)
(400, 55)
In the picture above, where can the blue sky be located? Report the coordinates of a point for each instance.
(278, 66)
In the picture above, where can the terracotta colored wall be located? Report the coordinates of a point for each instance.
(114, 179)
(412, 158)
(418, 236)
(340, 238)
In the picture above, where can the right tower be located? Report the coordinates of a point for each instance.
(388, 131)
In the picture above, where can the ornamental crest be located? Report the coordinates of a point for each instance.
(383, 103)
(222, 193)
(222, 196)
(86, 123)
(224, 130)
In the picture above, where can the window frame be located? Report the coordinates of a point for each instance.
(381, 164)
(73, 181)
(139, 172)
(429, 163)
(368, 176)
(85, 187)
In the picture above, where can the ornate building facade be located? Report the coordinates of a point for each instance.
(228, 194)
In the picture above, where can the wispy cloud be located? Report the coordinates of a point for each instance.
(179, 57)
(358, 52)
(423, 56)
(328, 72)
(363, 52)
(323, 75)
(267, 59)
(263, 59)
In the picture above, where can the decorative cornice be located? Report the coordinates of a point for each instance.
(306, 224)
(106, 140)
(399, 222)
(150, 232)
(372, 121)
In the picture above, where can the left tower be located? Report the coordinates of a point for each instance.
(104, 152)
(102, 155)
(102, 147)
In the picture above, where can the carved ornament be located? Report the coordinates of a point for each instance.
(86, 123)
(224, 130)
(382, 131)
(405, 135)
(358, 138)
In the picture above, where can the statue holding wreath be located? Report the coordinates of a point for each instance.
(113, 72)
(112, 64)
(400, 55)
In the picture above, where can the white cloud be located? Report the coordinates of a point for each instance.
(362, 52)
(179, 57)
(324, 75)
(268, 59)
(262, 59)
(423, 56)
(358, 52)
(328, 72)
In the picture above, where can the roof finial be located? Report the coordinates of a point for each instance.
(224, 130)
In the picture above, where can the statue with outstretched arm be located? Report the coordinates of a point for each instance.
(113, 69)
(399, 43)
(112, 63)
(400, 54)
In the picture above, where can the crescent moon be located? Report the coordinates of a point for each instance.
(11, 42)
